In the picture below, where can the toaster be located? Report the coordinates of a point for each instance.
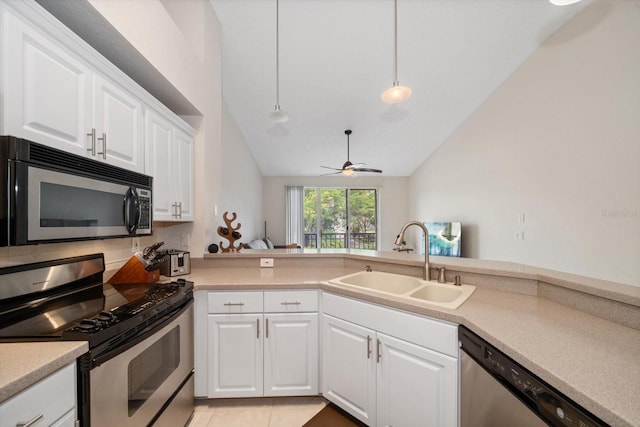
(176, 263)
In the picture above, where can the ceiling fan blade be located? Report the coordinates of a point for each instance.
(329, 167)
(355, 166)
(332, 173)
(367, 170)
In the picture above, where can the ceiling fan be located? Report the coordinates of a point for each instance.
(349, 168)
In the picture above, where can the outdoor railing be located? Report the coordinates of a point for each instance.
(339, 240)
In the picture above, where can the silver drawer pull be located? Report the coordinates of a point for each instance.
(92, 150)
(290, 303)
(31, 422)
(230, 304)
(104, 145)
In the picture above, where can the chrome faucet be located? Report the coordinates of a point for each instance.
(400, 238)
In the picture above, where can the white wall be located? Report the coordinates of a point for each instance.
(394, 203)
(560, 142)
(242, 184)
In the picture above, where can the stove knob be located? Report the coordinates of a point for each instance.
(106, 317)
(88, 325)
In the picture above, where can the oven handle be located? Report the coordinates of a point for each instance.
(131, 197)
(111, 349)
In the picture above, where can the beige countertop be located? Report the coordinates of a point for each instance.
(24, 364)
(594, 361)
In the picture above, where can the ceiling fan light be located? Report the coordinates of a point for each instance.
(277, 115)
(347, 172)
(396, 94)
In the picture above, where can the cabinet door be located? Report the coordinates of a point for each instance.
(160, 164)
(235, 355)
(184, 175)
(416, 386)
(349, 368)
(50, 399)
(118, 116)
(291, 354)
(45, 89)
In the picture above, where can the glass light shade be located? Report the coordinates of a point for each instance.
(396, 94)
(563, 2)
(347, 172)
(277, 115)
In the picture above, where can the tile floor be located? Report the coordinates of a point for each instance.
(263, 412)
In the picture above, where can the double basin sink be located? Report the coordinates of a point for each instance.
(445, 295)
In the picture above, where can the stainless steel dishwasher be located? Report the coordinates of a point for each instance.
(497, 391)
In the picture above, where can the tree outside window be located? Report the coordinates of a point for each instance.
(340, 218)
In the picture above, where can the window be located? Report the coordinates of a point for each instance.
(340, 218)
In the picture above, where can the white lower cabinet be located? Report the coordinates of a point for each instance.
(49, 402)
(349, 367)
(386, 380)
(254, 352)
(415, 386)
(235, 355)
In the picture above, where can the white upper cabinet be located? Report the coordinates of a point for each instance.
(169, 159)
(58, 91)
(117, 120)
(45, 88)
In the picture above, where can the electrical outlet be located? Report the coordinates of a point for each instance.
(186, 240)
(135, 245)
(266, 262)
(519, 235)
(521, 218)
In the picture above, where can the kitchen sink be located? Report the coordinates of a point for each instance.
(412, 288)
(378, 281)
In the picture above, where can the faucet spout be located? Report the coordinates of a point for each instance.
(400, 239)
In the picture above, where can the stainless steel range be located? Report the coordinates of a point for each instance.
(139, 367)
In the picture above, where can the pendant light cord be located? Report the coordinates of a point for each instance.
(395, 43)
(277, 54)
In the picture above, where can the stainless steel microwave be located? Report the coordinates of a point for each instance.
(49, 195)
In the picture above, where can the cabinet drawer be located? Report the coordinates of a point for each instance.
(52, 398)
(290, 301)
(235, 302)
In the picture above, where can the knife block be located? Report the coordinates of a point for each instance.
(133, 272)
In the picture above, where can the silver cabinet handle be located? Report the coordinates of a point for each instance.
(31, 422)
(92, 150)
(290, 303)
(180, 210)
(368, 347)
(266, 328)
(379, 352)
(258, 328)
(104, 145)
(230, 304)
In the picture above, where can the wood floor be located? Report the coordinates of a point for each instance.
(270, 412)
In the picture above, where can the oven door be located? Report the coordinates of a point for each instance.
(132, 388)
(65, 206)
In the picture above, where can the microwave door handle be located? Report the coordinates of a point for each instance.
(131, 197)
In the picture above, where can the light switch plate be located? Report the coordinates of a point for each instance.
(266, 262)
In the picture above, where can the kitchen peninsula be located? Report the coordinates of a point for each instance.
(580, 335)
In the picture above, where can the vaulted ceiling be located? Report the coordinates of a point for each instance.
(336, 58)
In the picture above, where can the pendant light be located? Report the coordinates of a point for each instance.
(396, 93)
(277, 115)
(563, 2)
